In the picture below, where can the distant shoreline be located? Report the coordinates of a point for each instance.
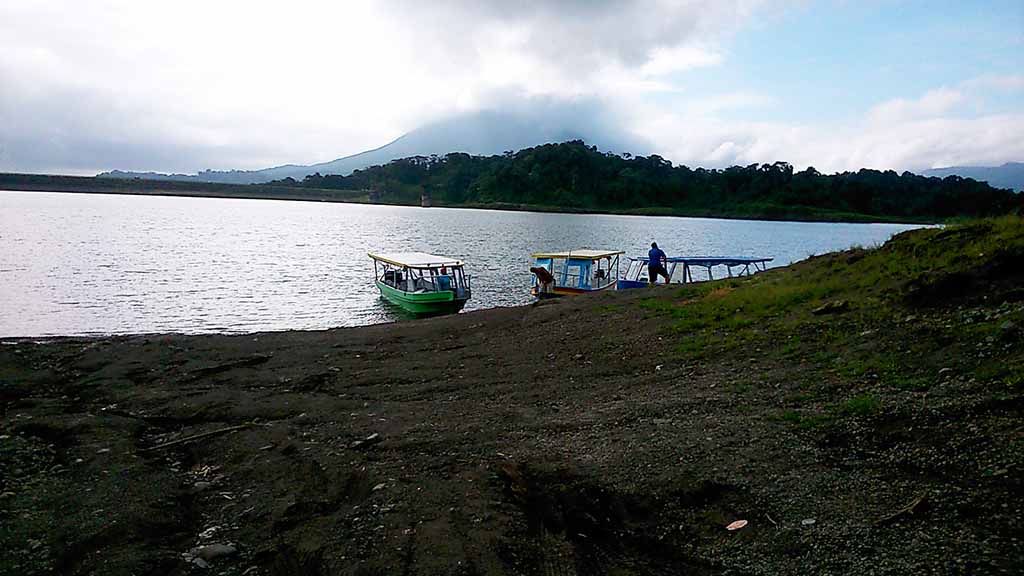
(263, 193)
(193, 194)
(260, 192)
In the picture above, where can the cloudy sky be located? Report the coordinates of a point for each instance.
(90, 85)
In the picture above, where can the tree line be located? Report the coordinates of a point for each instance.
(575, 176)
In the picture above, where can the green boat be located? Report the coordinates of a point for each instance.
(422, 283)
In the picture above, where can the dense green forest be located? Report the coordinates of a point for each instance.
(572, 176)
(575, 176)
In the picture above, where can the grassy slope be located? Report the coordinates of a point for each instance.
(903, 363)
(944, 288)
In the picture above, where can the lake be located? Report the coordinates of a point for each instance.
(92, 264)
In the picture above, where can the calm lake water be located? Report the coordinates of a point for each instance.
(86, 264)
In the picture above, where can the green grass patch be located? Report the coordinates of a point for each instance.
(992, 371)
(862, 406)
(803, 421)
(909, 382)
(740, 388)
(702, 345)
(815, 421)
(802, 398)
(1002, 374)
(696, 347)
(791, 416)
(793, 346)
(888, 368)
(823, 356)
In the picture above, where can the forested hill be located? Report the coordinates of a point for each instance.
(575, 176)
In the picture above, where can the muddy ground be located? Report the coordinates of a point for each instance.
(570, 437)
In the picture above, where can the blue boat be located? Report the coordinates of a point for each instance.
(574, 272)
(636, 272)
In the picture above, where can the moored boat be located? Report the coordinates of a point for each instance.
(422, 283)
(574, 272)
(636, 272)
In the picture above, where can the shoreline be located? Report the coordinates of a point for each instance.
(853, 414)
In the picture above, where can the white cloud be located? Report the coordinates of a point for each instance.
(96, 84)
(936, 129)
(933, 103)
(665, 60)
(90, 85)
(1009, 83)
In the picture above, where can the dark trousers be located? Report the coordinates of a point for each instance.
(654, 271)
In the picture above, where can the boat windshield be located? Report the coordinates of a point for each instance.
(583, 273)
(637, 270)
(423, 280)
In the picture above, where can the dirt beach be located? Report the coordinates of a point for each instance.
(859, 418)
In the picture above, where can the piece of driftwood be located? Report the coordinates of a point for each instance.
(370, 440)
(919, 504)
(195, 437)
(834, 307)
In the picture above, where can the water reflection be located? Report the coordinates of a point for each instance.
(101, 264)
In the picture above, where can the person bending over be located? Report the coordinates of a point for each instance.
(656, 263)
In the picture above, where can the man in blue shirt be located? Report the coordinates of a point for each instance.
(656, 262)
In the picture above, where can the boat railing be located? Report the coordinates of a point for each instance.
(686, 269)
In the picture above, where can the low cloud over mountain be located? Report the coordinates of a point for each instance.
(1009, 175)
(480, 133)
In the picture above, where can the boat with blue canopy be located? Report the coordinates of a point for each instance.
(574, 272)
(636, 272)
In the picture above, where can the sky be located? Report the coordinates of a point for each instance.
(93, 85)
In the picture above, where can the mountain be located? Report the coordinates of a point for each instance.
(481, 133)
(1009, 175)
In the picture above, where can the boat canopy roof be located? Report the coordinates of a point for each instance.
(415, 259)
(709, 260)
(582, 254)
